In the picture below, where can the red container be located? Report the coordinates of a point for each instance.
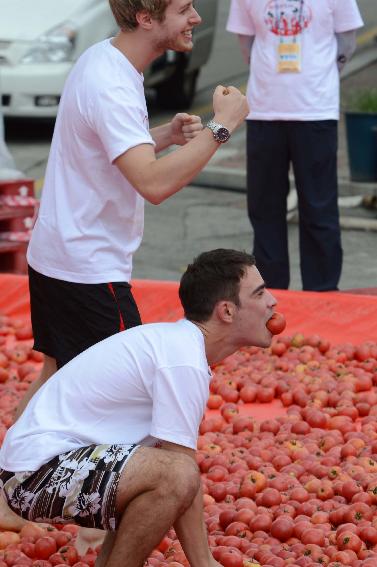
(19, 187)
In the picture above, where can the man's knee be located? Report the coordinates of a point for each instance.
(182, 479)
(171, 475)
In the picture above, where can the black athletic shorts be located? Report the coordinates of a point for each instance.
(68, 317)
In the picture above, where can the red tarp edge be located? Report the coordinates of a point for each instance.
(339, 317)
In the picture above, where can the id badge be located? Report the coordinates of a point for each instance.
(289, 56)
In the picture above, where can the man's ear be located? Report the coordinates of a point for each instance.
(225, 311)
(144, 19)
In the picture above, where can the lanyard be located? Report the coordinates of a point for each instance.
(279, 18)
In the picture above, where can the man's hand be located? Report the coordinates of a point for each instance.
(230, 107)
(184, 127)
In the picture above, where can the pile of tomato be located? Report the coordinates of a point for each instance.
(297, 489)
(36, 546)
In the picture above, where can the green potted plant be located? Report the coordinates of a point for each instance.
(361, 127)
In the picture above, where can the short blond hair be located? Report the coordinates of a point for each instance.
(125, 11)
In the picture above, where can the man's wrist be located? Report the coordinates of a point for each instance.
(225, 122)
(219, 131)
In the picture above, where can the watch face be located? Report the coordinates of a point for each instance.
(222, 134)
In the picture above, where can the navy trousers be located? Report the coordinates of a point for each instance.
(311, 147)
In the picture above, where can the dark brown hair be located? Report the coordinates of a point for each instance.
(212, 277)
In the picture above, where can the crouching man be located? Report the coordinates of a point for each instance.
(109, 441)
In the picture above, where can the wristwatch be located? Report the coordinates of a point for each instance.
(220, 132)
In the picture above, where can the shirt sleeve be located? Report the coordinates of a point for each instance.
(180, 395)
(240, 20)
(346, 16)
(120, 121)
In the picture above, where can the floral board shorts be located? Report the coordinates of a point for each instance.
(77, 487)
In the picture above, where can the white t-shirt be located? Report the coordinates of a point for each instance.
(91, 219)
(145, 384)
(313, 93)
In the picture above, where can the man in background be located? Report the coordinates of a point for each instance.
(295, 49)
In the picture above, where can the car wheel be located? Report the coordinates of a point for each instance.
(178, 92)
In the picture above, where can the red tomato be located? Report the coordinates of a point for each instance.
(282, 528)
(231, 558)
(226, 517)
(369, 535)
(89, 559)
(218, 491)
(248, 393)
(349, 540)
(44, 547)
(61, 538)
(236, 529)
(243, 423)
(276, 324)
(7, 538)
(278, 348)
(270, 497)
(57, 559)
(164, 544)
(247, 489)
(28, 548)
(71, 528)
(25, 332)
(4, 375)
(16, 557)
(69, 554)
(214, 401)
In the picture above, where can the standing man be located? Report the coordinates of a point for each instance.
(84, 450)
(102, 167)
(295, 49)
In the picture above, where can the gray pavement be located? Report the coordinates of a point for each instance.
(212, 213)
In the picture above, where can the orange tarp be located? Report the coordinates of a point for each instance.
(339, 317)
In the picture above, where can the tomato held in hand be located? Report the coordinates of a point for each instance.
(276, 324)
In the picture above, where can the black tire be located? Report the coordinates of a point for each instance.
(178, 92)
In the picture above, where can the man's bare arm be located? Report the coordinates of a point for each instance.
(182, 128)
(346, 47)
(246, 42)
(157, 179)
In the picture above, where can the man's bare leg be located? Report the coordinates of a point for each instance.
(8, 519)
(48, 369)
(106, 549)
(156, 487)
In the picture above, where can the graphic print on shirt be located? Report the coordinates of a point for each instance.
(287, 18)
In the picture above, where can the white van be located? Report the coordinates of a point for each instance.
(41, 39)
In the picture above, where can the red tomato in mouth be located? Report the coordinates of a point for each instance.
(276, 324)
